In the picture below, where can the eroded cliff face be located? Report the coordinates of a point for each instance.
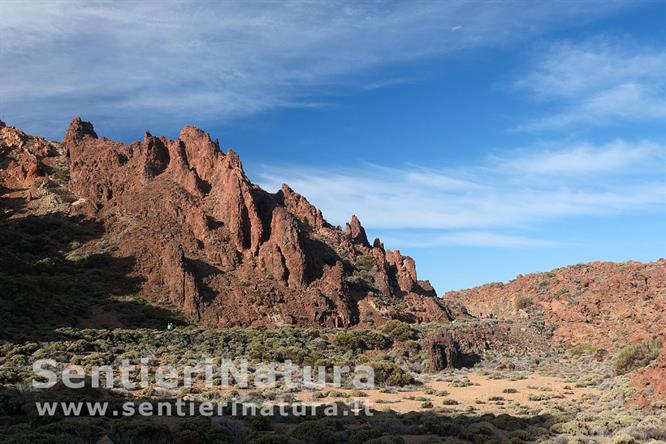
(208, 242)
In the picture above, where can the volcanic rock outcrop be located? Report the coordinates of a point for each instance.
(208, 242)
(444, 351)
(602, 303)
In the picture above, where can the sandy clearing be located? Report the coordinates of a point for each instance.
(483, 389)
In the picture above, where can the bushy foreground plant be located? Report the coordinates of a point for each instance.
(390, 373)
(635, 356)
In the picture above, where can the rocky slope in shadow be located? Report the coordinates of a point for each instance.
(204, 240)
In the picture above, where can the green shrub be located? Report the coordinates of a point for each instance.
(199, 429)
(338, 394)
(582, 349)
(399, 331)
(140, 431)
(357, 394)
(364, 434)
(560, 292)
(365, 263)
(324, 431)
(361, 340)
(390, 373)
(623, 438)
(361, 278)
(461, 383)
(361, 274)
(523, 303)
(635, 356)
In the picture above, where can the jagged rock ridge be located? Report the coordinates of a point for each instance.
(207, 241)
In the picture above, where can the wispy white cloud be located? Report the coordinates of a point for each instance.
(586, 158)
(476, 204)
(384, 83)
(598, 82)
(464, 238)
(177, 62)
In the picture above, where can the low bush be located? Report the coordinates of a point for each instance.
(523, 303)
(361, 340)
(361, 274)
(364, 434)
(365, 263)
(400, 331)
(390, 373)
(623, 438)
(324, 431)
(635, 356)
(560, 292)
(582, 349)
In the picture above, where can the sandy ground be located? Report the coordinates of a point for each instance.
(547, 389)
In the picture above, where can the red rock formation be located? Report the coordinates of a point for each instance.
(357, 232)
(26, 159)
(443, 351)
(218, 248)
(603, 303)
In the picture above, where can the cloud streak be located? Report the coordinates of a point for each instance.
(596, 83)
(466, 239)
(177, 62)
(618, 156)
(477, 204)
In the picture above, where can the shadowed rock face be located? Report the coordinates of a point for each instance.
(444, 351)
(212, 244)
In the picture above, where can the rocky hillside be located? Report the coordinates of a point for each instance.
(183, 228)
(602, 303)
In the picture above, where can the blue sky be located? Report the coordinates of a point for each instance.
(485, 139)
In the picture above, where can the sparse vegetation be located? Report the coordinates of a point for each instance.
(361, 274)
(560, 292)
(72, 290)
(365, 263)
(555, 417)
